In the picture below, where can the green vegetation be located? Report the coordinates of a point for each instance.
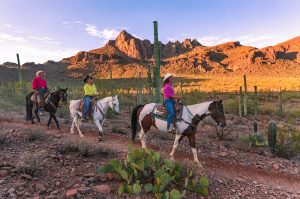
(288, 144)
(272, 135)
(145, 171)
(264, 103)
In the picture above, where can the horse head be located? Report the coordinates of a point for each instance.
(63, 95)
(114, 105)
(217, 112)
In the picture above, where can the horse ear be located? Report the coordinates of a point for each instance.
(116, 96)
(220, 102)
(66, 89)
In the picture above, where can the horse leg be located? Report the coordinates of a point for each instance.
(37, 115)
(76, 121)
(143, 138)
(192, 141)
(175, 145)
(56, 121)
(49, 121)
(100, 129)
(73, 126)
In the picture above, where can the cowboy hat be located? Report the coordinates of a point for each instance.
(87, 77)
(168, 75)
(39, 72)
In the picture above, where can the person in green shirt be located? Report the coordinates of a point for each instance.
(90, 91)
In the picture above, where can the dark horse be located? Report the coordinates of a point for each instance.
(51, 106)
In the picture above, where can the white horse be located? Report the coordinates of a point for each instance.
(148, 116)
(100, 109)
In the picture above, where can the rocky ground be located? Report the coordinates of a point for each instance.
(56, 170)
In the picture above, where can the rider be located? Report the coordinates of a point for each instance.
(90, 91)
(169, 97)
(40, 88)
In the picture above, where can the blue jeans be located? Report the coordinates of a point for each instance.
(42, 91)
(87, 102)
(169, 104)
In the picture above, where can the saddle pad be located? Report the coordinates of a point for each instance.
(162, 113)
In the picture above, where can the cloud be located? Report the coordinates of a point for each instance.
(106, 33)
(41, 38)
(71, 22)
(7, 25)
(170, 39)
(183, 34)
(33, 52)
(9, 37)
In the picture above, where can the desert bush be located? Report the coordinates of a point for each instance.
(3, 137)
(35, 134)
(245, 141)
(145, 170)
(288, 144)
(231, 106)
(29, 163)
(83, 148)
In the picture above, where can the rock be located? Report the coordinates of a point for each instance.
(26, 177)
(105, 189)
(85, 190)
(3, 173)
(222, 154)
(71, 193)
(87, 175)
(276, 166)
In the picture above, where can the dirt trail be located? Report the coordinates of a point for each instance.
(214, 167)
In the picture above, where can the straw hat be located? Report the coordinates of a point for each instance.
(39, 72)
(168, 75)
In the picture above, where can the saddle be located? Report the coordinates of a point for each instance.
(91, 108)
(161, 111)
(35, 98)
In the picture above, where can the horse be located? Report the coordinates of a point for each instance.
(99, 113)
(186, 125)
(51, 106)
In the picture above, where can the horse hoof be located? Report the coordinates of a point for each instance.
(81, 136)
(100, 139)
(58, 128)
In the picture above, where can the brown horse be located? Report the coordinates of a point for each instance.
(186, 124)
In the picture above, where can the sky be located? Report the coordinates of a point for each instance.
(41, 30)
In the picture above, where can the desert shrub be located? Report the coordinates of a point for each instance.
(35, 134)
(231, 106)
(253, 140)
(29, 163)
(3, 138)
(288, 144)
(83, 148)
(145, 170)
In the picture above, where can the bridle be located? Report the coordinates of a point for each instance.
(101, 109)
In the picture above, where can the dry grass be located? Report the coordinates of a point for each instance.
(29, 163)
(35, 134)
(83, 148)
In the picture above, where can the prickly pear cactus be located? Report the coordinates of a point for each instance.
(272, 134)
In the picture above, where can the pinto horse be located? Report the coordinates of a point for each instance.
(51, 106)
(186, 125)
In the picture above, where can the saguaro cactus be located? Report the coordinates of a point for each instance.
(241, 102)
(272, 134)
(150, 94)
(246, 102)
(255, 102)
(20, 69)
(156, 75)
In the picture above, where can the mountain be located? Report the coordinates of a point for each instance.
(127, 55)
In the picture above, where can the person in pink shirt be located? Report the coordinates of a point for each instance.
(40, 87)
(169, 97)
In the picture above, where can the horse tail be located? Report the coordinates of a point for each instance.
(134, 119)
(29, 106)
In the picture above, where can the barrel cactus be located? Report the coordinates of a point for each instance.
(272, 134)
